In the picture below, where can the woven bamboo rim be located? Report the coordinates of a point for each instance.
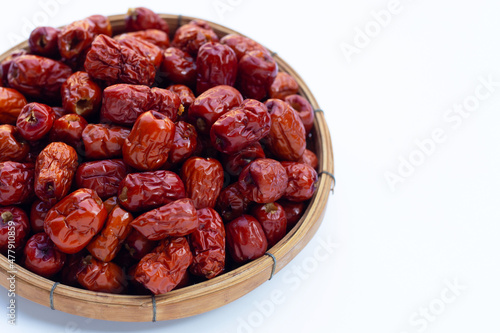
(204, 296)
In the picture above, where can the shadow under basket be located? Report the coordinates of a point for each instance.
(207, 295)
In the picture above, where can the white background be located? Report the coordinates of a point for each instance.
(396, 250)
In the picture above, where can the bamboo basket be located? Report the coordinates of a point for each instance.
(207, 295)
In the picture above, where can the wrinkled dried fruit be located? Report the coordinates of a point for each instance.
(216, 65)
(38, 77)
(54, 170)
(177, 218)
(203, 178)
(104, 141)
(81, 95)
(16, 182)
(212, 104)
(149, 141)
(11, 104)
(272, 218)
(283, 85)
(35, 121)
(164, 268)
(106, 277)
(302, 179)
(304, 110)
(42, 257)
(142, 18)
(113, 63)
(14, 229)
(240, 127)
(75, 220)
(104, 176)
(147, 190)
(12, 146)
(124, 103)
(263, 180)
(208, 242)
(107, 243)
(231, 203)
(246, 239)
(287, 138)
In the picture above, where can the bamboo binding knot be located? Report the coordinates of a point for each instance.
(274, 263)
(154, 308)
(332, 176)
(52, 294)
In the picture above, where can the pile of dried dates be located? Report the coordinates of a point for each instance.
(145, 161)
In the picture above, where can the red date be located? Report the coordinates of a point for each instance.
(216, 65)
(283, 85)
(208, 242)
(16, 182)
(203, 178)
(164, 268)
(100, 276)
(38, 77)
(154, 36)
(309, 158)
(104, 176)
(234, 163)
(142, 18)
(110, 203)
(59, 111)
(242, 45)
(287, 138)
(184, 144)
(106, 245)
(302, 179)
(212, 104)
(304, 110)
(102, 24)
(177, 218)
(147, 190)
(272, 218)
(39, 210)
(263, 180)
(246, 239)
(231, 203)
(42, 257)
(69, 129)
(240, 127)
(11, 104)
(5, 65)
(293, 211)
(137, 245)
(81, 95)
(54, 171)
(113, 63)
(178, 67)
(75, 220)
(190, 37)
(149, 141)
(256, 73)
(123, 103)
(35, 121)
(43, 42)
(104, 141)
(185, 94)
(75, 38)
(12, 146)
(14, 228)
(149, 51)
